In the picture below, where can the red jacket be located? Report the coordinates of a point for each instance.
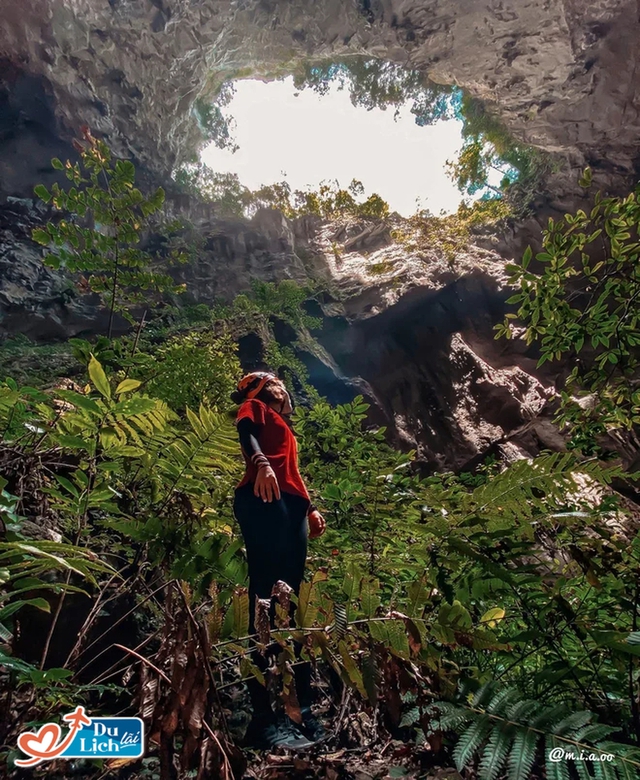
(278, 443)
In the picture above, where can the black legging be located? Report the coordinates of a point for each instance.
(275, 537)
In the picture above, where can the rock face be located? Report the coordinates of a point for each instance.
(562, 75)
(419, 330)
(413, 332)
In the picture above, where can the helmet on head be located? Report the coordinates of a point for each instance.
(251, 384)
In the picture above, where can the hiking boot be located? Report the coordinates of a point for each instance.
(269, 733)
(311, 727)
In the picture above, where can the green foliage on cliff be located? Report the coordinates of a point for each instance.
(233, 199)
(374, 83)
(214, 125)
(488, 148)
(579, 297)
(451, 234)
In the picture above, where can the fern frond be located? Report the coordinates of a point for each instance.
(449, 716)
(192, 460)
(555, 770)
(521, 710)
(549, 717)
(483, 694)
(593, 732)
(627, 761)
(523, 754)
(604, 770)
(504, 727)
(501, 701)
(571, 723)
(627, 771)
(496, 751)
(582, 768)
(528, 488)
(471, 740)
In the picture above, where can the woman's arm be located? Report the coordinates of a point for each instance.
(248, 432)
(266, 485)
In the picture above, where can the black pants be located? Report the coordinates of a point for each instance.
(275, 537)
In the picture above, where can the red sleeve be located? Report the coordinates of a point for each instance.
(252, 409)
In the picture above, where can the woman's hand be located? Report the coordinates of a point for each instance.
(266, 485)
(317, 524)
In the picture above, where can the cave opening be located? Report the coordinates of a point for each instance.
(356, 129)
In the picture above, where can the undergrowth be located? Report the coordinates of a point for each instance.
(485, 620)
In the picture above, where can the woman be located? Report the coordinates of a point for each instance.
(275, 514)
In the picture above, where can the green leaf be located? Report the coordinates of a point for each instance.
(158, 198)
(41, 236)
(418, 598)
(9, 610)
(586, 178)
(57, 164)
(126, 451)
(42, 192)
(15, 664)
(306, 611)
(351, 583)
(555, 770)
(496, 752)
(523, 754)
(353, 673)
(471, 740)
(83, 401)
(369, 595)
(492, 616)
(127, 385)
(248, 669)
(99, 378)
(67, 485)
(240, 607)
(55, 675)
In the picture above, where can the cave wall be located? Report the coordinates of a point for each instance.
(561, 73)
(417, 341)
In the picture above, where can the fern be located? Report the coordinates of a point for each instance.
(190, 460)
(497, 750)
(499, 728)
(471, 740)
(529, 488)
(555, 770)
(523, 754)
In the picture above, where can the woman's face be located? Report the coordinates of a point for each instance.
(280, 396)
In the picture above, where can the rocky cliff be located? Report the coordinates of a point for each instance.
(560, 73)
(416, 329)
(409, 329)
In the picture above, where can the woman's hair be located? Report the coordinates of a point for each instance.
(238, 396)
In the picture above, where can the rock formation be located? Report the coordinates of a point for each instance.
(562, 75)
(416, 329)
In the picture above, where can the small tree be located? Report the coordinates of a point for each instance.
(99, 234)
(583, 299)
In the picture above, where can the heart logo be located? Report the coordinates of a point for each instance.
(42, 744)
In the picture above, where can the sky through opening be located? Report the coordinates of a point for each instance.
(304, 138)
